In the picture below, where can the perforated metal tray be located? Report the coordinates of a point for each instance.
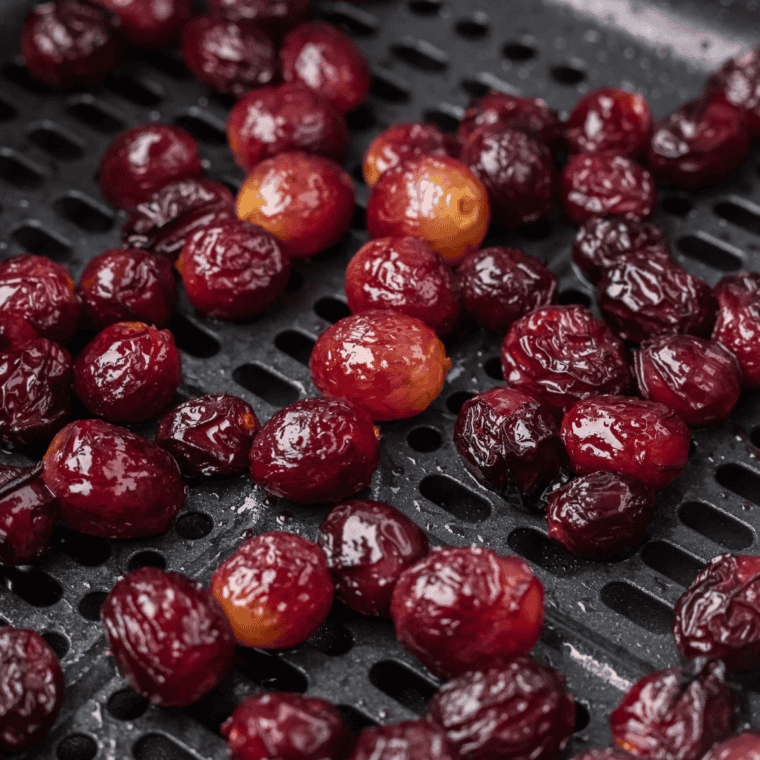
(607, 623)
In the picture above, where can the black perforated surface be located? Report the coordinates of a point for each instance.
(607, 623)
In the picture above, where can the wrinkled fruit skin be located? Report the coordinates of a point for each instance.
(670, 716)
(603, 242)
(738, 83)
(699, 144)
(229, 57)
(402, 141)
(305, 201)
(15, 331)
(151, 23)
(604, 184)
(745, 746)
(405, 276)
(270, 14)
(163, 222)
(436, 198)
(517, 172)
(35, 392)
(407, 740)
(516, 710)
(368, 545)
(627, 435)
(508, 439)
(210, 435)
(500, 285)
(283, 118)
(719, 614)
(112, 483)
(328, 61)
(28, 515)
(500, 110)
(141, 160)
(32, 688)
(128, 373)
(462, 608)
(275, 589)
(123, 285)
(315, 451)
(168, 635)
(698, 379)
(392, 365)
(284, 726)
(609, 119)
(600, 515)
(738, 324)
(645, 298)
(40, 291)
(70, 44)
(566, 354)
(233, 270)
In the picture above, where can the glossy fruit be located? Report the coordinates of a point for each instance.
(110, 482)
(435, 198)
(141, 160)
(328, 61)
(407, 740)
(509, 439)
(305, 201)
(228, 56)
(405, 276)
(609, 119)
(368, 544)
(516, 170)
(127, 285)
(70, 43)
(566, 354)
(232, 269)
(277, 14)
(719, 614)
(738, 324)
(284, 118)
(500, 285)
(163, 222)
(391, 365)
(510, 711)
(502, 110)
(400, 142)
(669, 715)
(40, 291)
(35, 392)
(32, 688)
(28, 514)
(461, 608)
(151, 23)
(15, 331)
(128, 373)
(603, 242)
(285, 726)
(645, 298)
(627, 435)
(737, 82)
(210, 435)
(701, 143)
(698, 379)
(168, 635)
(600, 515)
(315, 451)
(275, 589)
(604, 184)
(745, 746)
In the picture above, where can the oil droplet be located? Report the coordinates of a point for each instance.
(284, 517)
(270, 501)
(247, 534)
(451, 528)
(398, 470)
(384, 714)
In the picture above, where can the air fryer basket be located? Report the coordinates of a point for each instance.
(607, 624)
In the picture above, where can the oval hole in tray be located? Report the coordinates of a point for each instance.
(32, 585)
(716, 525)
(54, 141)
(401, 683)
(640, 608)
(355, 719)
(77, 747)
(159, 747)
(672, 562)
(269, 671)
(126, 704)
(84, 212)
(739, 480)
(265, 384)
(741, 215)
(57, 642)
(542, 551)
(457, 500)
(192, 339)
(34, 238)
(710, 252)
(88, 551)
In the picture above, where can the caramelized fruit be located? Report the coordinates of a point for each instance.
(275, 589)
(391, 365)
(151, 23)
(461, 608)
(275, 14)
(738, 83)
(745, 746)
(407, 740)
